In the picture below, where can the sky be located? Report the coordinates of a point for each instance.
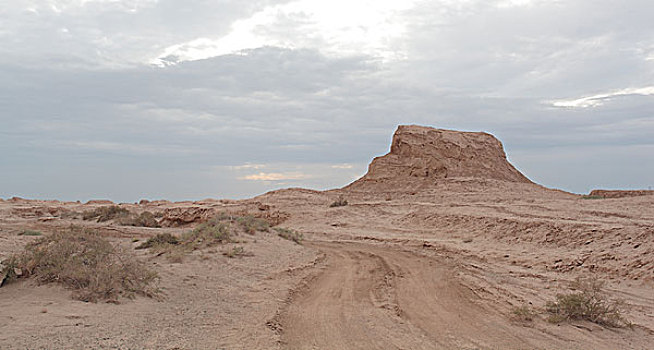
(193, 99)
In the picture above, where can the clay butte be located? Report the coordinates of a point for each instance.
(425, 154)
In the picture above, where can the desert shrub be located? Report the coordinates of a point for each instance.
(252, 224)
(30, 233)
(204, 235)
(9, 270)
(237, 251)
(589, 303)
(82, 260)
(105, 213)
(145, 219)
(591, 197)
(523, 313)
(290, 234)
(340, 202)
(208, 233)
(159, 239)
(218, 230)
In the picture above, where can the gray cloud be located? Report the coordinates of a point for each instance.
(83, 115)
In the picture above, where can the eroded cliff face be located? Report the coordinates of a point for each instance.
(424, 153)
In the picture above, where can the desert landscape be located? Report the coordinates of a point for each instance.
(443, 244)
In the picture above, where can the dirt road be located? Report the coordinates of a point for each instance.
(378, 297)
(375, 297)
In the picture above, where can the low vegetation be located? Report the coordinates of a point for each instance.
(524, 314)
(121, 216)
(589, 302)
(84, 261)
(591, 197)
(219, 230)
(340, 202)
(161, 239)
(236, 252)
(290, 234)
(145, 219)
(252, 224)
(106, 213)
(209, 233)
(30, 233)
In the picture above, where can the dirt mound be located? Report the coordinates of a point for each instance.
(421, 153)
(620, 193)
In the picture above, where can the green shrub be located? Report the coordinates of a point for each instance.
(82, 260)
(30, 233)
(589, 303)
(290, 234)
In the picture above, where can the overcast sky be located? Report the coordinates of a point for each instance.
(192, 99)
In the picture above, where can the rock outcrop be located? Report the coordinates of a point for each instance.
(620, 193)
(422, 154)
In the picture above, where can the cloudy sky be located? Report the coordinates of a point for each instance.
(191, 99)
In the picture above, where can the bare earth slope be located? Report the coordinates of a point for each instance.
(440, 241)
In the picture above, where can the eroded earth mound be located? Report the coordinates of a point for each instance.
(424, 154)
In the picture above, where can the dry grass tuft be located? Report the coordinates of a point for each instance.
(209, 233)
(523, 314)
(290, 234)
(251, 225)
(590, 302)
(30, 233)
(159, 240)
(145, 219)
(82, 260)
(236, 252)
(219, 230)
(102, 214)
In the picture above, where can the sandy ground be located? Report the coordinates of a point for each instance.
(439, 267)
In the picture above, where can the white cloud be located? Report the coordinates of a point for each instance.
(599, 99)
(247, 166)
(337, 27)
(275, 176)
(342, 166)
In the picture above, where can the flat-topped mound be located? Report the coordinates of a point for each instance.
(425, 153)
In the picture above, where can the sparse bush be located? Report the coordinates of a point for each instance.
(30, 233)
(290, 234)
(340, 202)
(251, 224)
(82, 260)
(208, 233)
(523, 313)
(9, 270)
(589, 303)
(237, 251)
(215, 231)
(591, 197)
(145, 219)
(158, 240)
(106, 213)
